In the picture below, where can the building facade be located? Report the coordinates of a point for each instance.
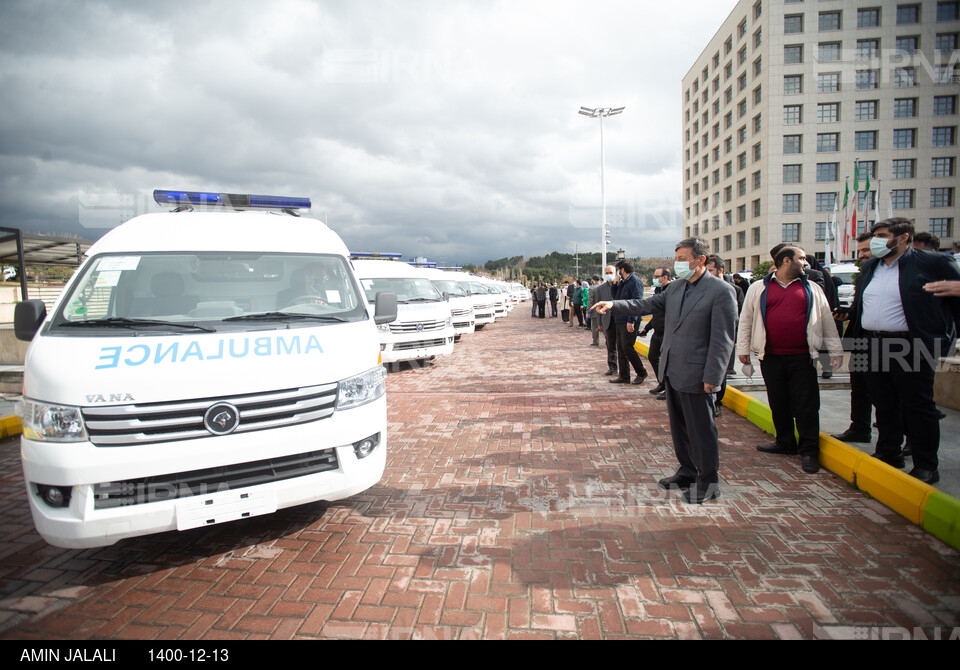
(790, 95)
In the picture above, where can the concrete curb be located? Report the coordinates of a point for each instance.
(936, 512)
(10, 426)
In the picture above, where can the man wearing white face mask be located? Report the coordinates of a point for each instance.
(907, 330)
(700, 321)
(604, 291)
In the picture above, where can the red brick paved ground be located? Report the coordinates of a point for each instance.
(519, 501)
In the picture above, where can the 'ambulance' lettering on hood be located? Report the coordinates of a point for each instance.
(183, 351)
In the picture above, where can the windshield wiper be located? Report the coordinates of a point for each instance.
(124, 322)
(271, 316)
(420, 300)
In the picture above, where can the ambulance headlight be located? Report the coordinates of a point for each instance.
(43, 422)
(360, 390)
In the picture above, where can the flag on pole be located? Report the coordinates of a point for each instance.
(856, 204)
(846, 197)
(832, 231)
(866, 202)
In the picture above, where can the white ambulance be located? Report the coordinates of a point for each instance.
(204, 365)
(461, 305)
(423, 328)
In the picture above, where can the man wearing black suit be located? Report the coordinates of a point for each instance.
(700, 319)
(907, 330)
(627, 327)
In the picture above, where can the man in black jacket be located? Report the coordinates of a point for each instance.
(906, 330)
(627, 328)
(661, 278)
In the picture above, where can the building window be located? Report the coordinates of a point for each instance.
(756, 235)
(793, 84)
(944, 137)
(908, 14)
(904, 77)
(757, 38)
(792, 54)
(828, 112)
(866, 79)
(792, 24)
(904, 138)
(941, 227)
(757, 67)
(868, 168)
(908, 45)
(946, 43)
(820, 231)
(741, 239)
(865, 110)
(756, 152)
(742, 56)
(828, 21)
(742, 161)
(941, 167)
(828, 82)
(825, 202)
(741, 213)
(792, 144)
(903, 168)
(865, 140)
(792, 174)
(742, 29)
(868, 18)
(867, 49)
(947, 11)
(756, 210)
(904, 108)
(757, 10)
(828, 52)
(944, 74)
(741, 187)
(792, 115)
(944, 105)
(727, 242)
(828, 172)
(941, 197)
(828, 142)
(757, 95)
(790, 232)
(791, 203)
(901, 198)
(756, 124)
(756, 180)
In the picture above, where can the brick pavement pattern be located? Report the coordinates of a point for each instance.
(519, 501)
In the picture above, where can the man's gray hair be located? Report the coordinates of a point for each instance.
(697, 245)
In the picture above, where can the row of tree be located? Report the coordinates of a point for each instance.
(558, 266)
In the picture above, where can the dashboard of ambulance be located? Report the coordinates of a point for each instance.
(208, 291)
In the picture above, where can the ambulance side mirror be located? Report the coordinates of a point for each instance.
(27, 317)
(385, 310)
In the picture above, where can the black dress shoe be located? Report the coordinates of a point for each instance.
(811, 463)
(827, 374)
(677, 481)
(925, 476)
(620, 380)
(854, 436)
(639, 380)
(895, 460)
(777, 449)
(701, 492)
(662, 396)
(659, 388)
(610, 373)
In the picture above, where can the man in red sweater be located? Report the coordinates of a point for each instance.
(785, 322)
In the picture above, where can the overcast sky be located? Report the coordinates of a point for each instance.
(438, 128)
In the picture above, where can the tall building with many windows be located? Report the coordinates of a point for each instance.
(790, 95)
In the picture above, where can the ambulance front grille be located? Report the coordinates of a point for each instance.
(126, 425)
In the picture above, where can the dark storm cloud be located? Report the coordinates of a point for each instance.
(442, 129)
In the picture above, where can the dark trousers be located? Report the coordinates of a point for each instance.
(553, 308)
(860, 407)
(653, 355)
(900, 377)
(578, 313)
(694, 433)
(626, 354)
(793, 393)
(610, 337)
(541, 308)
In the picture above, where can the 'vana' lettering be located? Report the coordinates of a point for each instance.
(184, 351)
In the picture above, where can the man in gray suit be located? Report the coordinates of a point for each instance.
(700, 319)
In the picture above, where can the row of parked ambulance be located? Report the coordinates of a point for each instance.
(219, 361)
(435, 306)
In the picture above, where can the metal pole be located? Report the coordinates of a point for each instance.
(603, 207)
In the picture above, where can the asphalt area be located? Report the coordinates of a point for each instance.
(519, 500)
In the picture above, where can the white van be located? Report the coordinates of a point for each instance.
(843, 275)
(201, 366)
(424, 327)
(461, 305)
(483, 302)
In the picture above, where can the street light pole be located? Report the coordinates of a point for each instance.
(600, 113)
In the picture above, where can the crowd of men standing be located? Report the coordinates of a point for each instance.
(905, 316)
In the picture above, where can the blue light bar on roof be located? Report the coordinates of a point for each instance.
(427, 264)
(375, 254)
(228, 200)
